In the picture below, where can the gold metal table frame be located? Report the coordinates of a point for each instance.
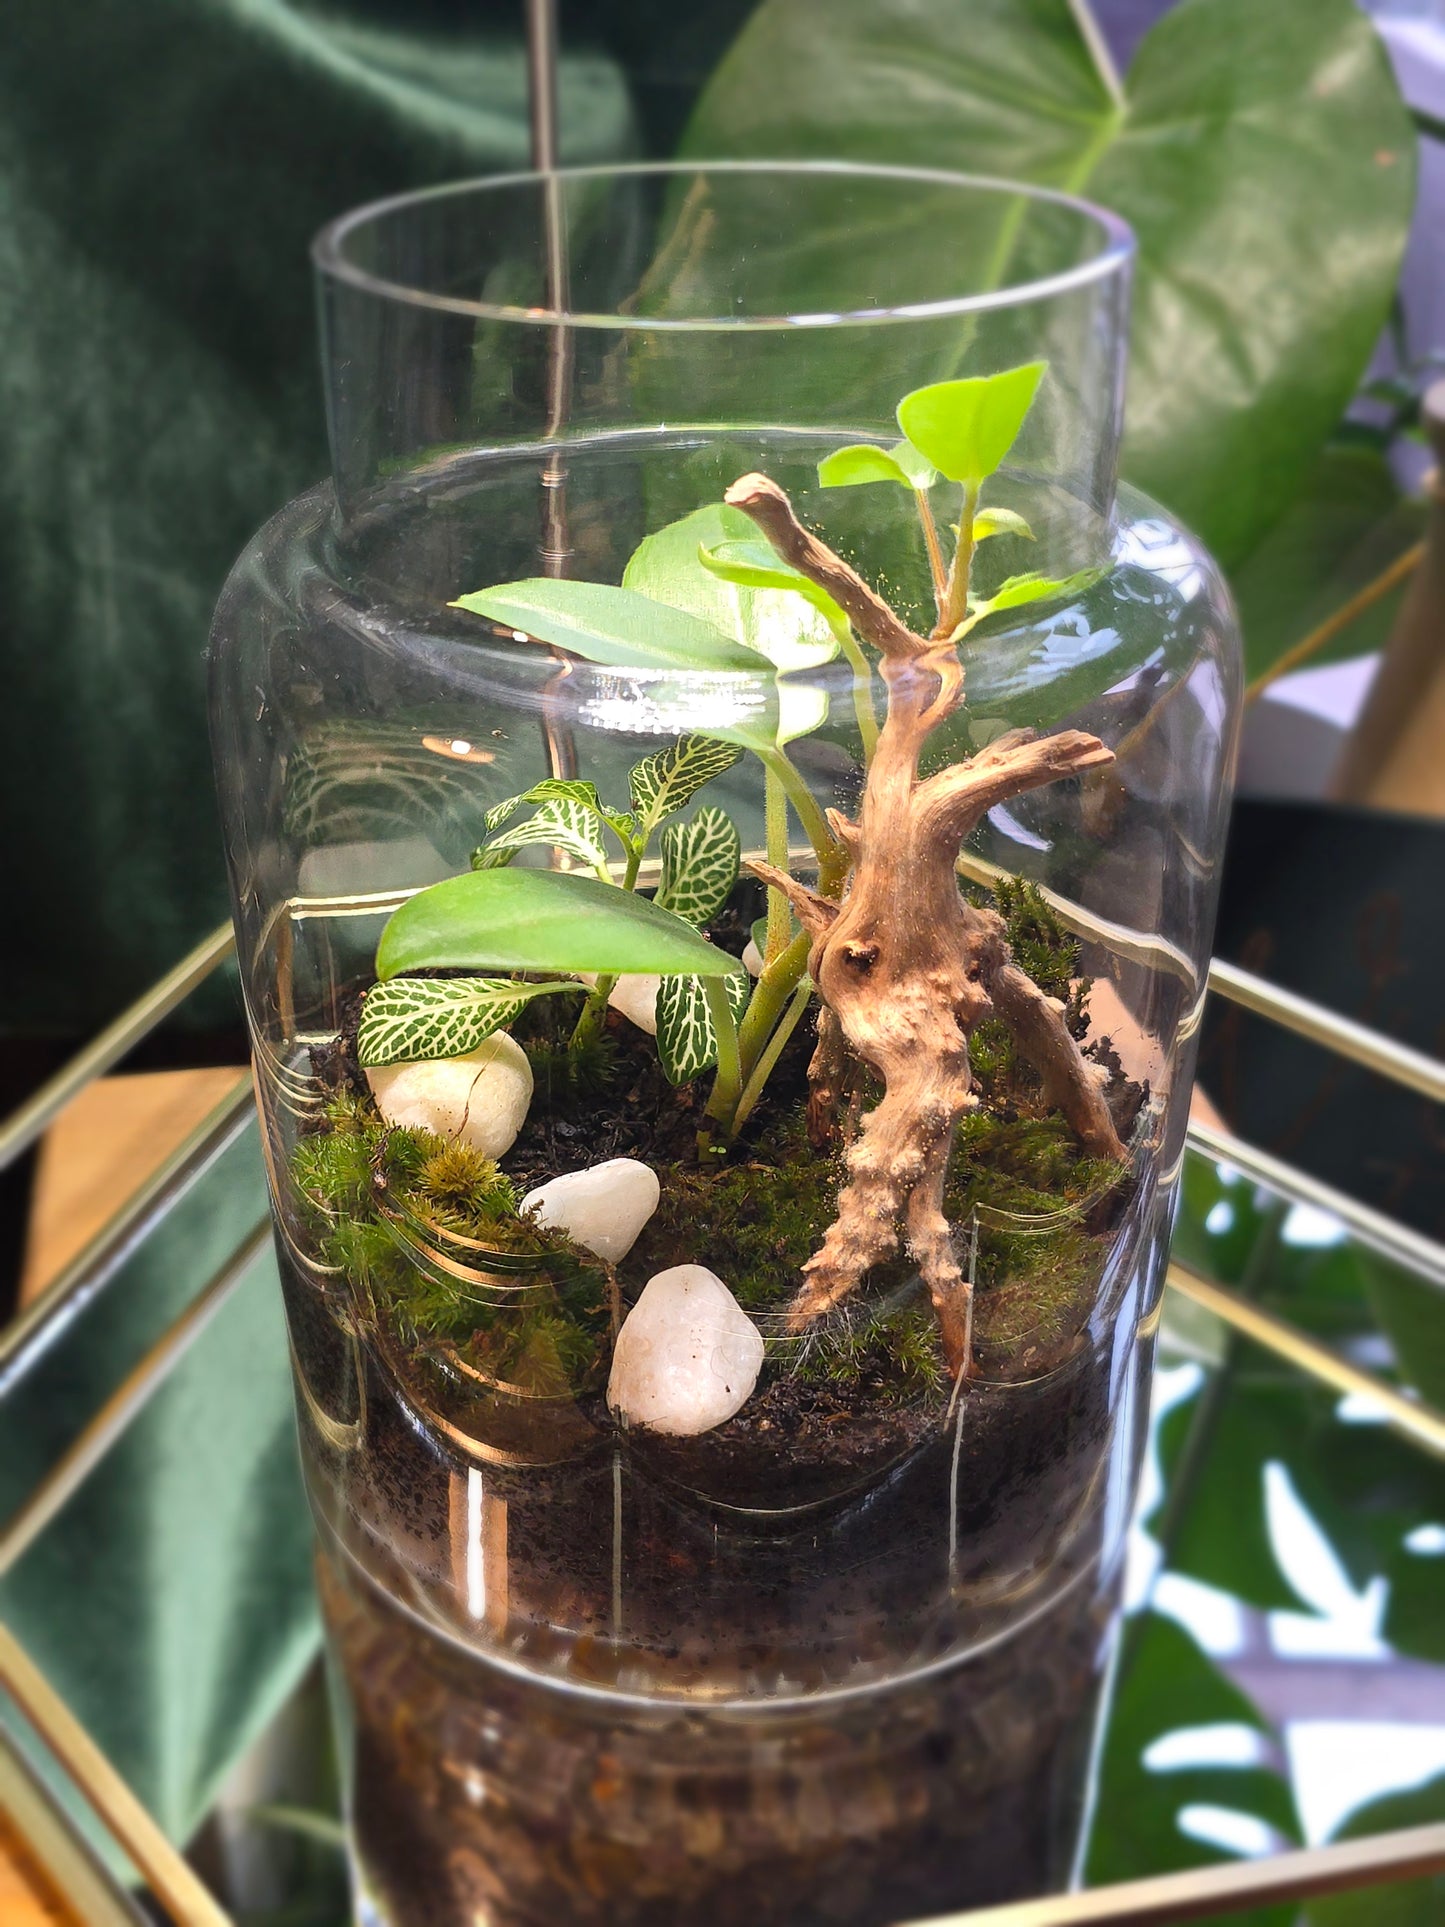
(175, 1892)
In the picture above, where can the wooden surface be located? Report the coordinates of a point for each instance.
(99, 1151)
(26, 1897)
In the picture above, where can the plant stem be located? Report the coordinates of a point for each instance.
(763, 1069)
(770, 993)
(936, 566)
(832, 857)
(593, 1014)
(728, 1087)
(955, 597)
(775, 822)
(863, 708)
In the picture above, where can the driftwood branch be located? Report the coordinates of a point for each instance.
(905, 966)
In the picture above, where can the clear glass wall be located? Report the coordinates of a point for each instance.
(834, 1656)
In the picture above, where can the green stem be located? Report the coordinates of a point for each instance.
(770, 994)
(775, 821)
(727, 1088)
(863, 707)
(832, 857)
(593, 1015)
(955, 599)
(763, 1069)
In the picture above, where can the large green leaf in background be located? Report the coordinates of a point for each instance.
(1345, 527)
(1262, 154)
(1168, 1685)
(1416, 1903)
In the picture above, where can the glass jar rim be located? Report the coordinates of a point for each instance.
(1114, 253)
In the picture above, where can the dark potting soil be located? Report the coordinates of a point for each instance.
(478, 1794)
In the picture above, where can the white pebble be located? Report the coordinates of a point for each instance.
(752, 959)
(603, 1208)
(634, 995)
(687, 1356)
(481, 1098)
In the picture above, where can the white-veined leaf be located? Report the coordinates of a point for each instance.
(410, 1019)
(560, 824)
(665, 783)
(686, 1040)
(699, 865)
(567, 789)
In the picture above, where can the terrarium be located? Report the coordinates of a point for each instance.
(724, 800)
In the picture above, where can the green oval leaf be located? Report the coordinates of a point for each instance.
(965, 428)
(616, 627)
(1019, 590)
(545, 920)
(762, 617)
(412, 1019)
(1000, 522)
(863, 462)
(753, 564)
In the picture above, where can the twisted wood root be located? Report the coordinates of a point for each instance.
(906, 968)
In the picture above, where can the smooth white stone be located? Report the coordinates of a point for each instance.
(481, 1098)
(752, 959)
(636, 998)
(687, 1357)
(634, 995)
(603, 1208)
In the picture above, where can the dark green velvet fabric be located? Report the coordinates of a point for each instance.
(163, 164)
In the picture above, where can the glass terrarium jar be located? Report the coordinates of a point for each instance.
(724, 801)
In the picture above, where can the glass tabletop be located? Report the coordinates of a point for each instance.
(1280, 1683)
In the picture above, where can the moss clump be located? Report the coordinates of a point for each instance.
(1033, 1196)
(539, 1322)
(894, 1354)
(755, 1224)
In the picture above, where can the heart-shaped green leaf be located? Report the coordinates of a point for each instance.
(667, 782)
(616, 627)
(965, 428)
(415, 1018)
(1261, 154)
(686, 1035)
(668, 566)
(699, 865)
(543, 920)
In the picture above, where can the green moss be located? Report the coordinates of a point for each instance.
(893, 1353)
(755, 1224)
(544, 1329)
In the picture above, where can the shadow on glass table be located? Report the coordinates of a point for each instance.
(1275, 1747)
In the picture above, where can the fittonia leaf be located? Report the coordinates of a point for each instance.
(412, 1018)
(686, 1035)
(667, 782)
(561, 824)
(699, 865)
